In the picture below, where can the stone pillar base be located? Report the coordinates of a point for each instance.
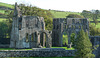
(69, 46)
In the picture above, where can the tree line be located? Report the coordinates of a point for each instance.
(94, 15)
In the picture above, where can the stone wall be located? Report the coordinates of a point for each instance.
(68, 26)
(38, 52)
(96, 41)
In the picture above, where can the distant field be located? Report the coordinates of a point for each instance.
(2, 11)
(92, 20)
(60, 14)
(6, 5)
(2, 19)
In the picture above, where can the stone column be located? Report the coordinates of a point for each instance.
(37, 39)
(34, 38)
(60, 34)
(47, 43)
(68, 38)
(69, 42)
(43, 35)
(29, 40)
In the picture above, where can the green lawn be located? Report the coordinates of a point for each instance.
(31, 49)
(40, 57)
(6, 5)
(59, 14)
(64, 48)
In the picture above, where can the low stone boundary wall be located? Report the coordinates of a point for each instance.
(38, 52)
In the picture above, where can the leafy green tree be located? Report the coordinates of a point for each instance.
(9, 15)
(73, 38)
(65, 39)
(74, 16)
(86, 14)
(34, 11)
(94, 15)
(4, 29)
(94, 31)
(83, 46)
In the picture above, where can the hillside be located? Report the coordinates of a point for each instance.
(55, 13)
(6, 5)
(62, 14)
(3, 8)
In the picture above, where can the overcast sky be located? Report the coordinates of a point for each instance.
(65, 5)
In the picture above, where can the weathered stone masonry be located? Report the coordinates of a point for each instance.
(68, 25)
(96, 41)
(36, 52)
(28, 31)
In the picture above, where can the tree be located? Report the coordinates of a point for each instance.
(74, 16)
(73, 38)
(95, 16)
(9, 15)
(4, 29)
(34, 11)
(65, 39)
(86, 14)
(83, 46)
(94, 31)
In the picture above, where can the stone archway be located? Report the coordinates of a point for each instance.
(48, 38)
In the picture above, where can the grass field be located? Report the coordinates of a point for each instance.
(6, 5)
(40, 57)
(59, 14)
(2, 19)
(31, 49)
(92, 20)
(2, 11)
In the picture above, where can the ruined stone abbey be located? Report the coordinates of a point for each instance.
(29, 31)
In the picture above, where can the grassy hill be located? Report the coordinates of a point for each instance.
(3, 8)
(6, 5)
(62, 14)
(55, 13)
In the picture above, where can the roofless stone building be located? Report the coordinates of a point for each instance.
(68, 26)
(28, 31)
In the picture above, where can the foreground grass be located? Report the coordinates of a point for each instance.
(13, 49)
(64, 48)
(40, 57)
(31, 49)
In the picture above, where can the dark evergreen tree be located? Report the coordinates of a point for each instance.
(83, 46)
